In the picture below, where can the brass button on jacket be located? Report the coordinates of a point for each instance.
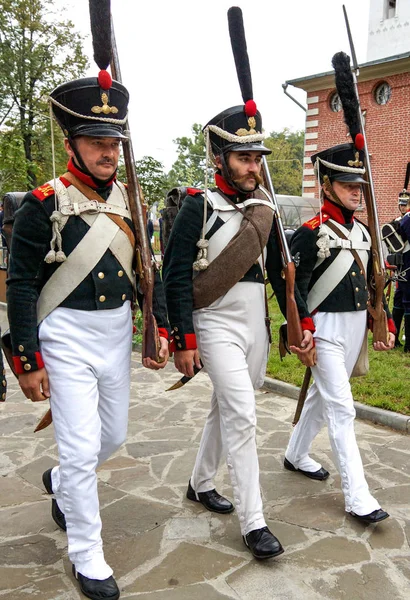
(101, 275)
(101, 298)
(120, 273)
(23, 358)
(21, 348)
(124, 296)
(27, 367)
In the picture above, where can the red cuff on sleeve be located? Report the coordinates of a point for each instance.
(391, 326)
(307, 323)
(19, 364)
(190, 343)
(163, 332)
(39, 360)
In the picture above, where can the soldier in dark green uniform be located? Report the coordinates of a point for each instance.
(220, 314)
(70, 290)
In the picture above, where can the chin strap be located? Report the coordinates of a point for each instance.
(77, 155)
(329, 188)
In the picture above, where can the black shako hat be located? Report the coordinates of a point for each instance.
(93, 106)
(340, 163)
(237, 129)
(404, 195)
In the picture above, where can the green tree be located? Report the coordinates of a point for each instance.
(152, 178)
(38, 51)
(189, 168)
(286, 161)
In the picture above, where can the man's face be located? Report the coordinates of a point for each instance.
(244, 169)
(100, 155)
(403, 209)
(348, 192)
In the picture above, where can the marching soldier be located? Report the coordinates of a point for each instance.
(220, 315)
(71, 272)
(402, 295)
(403, 257)
(333, 277)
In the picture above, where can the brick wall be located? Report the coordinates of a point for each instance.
(387, 133)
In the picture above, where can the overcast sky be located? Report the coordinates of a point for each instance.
(177, 63)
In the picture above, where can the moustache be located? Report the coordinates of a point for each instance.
(257, 178)
(105, 161)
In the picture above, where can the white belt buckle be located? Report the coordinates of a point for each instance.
(94, 207)
(344, 244)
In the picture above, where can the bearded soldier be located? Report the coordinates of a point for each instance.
(220, 314)
(333, 277)
(71, 272)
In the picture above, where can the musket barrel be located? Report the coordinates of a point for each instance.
(281, 230)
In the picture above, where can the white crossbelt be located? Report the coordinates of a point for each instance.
(334, 274)
(103, 234)
(232, 222)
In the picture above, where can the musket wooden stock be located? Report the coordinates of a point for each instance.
(302, 395)
(150, 337)
(294, 328)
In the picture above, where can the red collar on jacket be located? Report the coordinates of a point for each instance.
(223, 186)
(87, 179)
(334, 212)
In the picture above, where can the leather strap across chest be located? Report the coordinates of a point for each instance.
(93, 196)
(238, 256)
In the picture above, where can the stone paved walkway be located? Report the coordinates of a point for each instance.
(163, 547)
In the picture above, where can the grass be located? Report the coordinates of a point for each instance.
(387, 385)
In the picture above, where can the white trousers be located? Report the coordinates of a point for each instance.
(338, 341)
(87, 355)
(233, 343)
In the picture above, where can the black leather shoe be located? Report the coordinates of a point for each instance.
(262, 543)
(56, 513)
(97, 589)
(319, 475)
(374, 517)
(211, 500)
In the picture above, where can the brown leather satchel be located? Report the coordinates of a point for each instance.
(236, 258)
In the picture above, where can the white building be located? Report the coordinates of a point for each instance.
(389, 28)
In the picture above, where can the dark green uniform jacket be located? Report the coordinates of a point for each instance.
(105, 287)
(181, 253)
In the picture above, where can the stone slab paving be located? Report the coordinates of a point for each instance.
(163, 547)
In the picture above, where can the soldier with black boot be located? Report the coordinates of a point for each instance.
(72, 273)
(333, 277)
(217, 310)
(404, 283)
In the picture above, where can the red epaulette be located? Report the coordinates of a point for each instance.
(46, 190)
(43, 192)
(315, 222)
(193, 191)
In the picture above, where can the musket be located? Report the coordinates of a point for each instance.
(240, 53)
(346, 84)
(293, 328)
(105, 52)
(302, 395)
